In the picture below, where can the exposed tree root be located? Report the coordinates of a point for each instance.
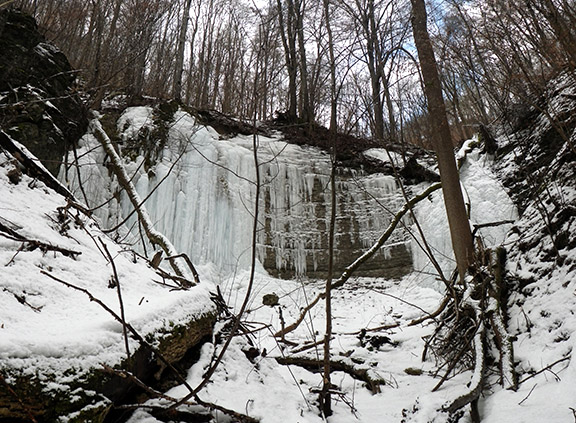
(467, 325)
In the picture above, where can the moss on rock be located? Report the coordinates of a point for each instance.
(82, 396)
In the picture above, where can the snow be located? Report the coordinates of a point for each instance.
(266, 390)
(135, 120)
(385, 156)
(207, 210)
(53, 328)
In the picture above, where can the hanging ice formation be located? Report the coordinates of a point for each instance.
(205, 201)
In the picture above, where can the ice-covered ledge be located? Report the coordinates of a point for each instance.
(205, 202)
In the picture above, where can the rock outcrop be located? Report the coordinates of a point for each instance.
(39, 106)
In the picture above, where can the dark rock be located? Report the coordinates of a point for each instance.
(251, 353)
(225, 125)
(270, 300)
(415, 173)
(413, 371)
(486, 138)
(14, 175)
(38, 104)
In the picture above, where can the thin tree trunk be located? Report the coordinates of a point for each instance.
(372, 50)
(325, 395)
(461, 235)
(306, 107)
(333, 93)
(289, 44)
(179, 69)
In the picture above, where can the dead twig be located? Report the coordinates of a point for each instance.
(477, 381)
(433, 315)
(548, 367)
(33, 244)
(22, 300)
(189, 263)
(376, 329)
(402, 301)
(121, 302)
(529, 393)
(307, 346)
(452, 364)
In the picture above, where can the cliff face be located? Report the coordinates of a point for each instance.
(38, 104)
(202, 192)
(297, 209)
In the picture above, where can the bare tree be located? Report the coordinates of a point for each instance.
(460, 232)
(179, 69)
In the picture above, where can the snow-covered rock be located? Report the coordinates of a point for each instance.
(55, 333)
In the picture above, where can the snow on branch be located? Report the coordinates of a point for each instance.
(155, 237)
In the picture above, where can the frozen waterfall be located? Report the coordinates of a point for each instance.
(205, 199)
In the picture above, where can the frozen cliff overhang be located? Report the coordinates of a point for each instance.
(200, 190)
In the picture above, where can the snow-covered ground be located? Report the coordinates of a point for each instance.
(44, 324)
(271, 392)
(47, 328)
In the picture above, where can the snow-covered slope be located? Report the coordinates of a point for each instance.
(50, 332)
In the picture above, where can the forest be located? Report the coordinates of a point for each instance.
(254, 59)
(287, 210)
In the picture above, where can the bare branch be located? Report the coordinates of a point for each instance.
(363, 258)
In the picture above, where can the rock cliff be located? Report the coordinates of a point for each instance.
(39, 106)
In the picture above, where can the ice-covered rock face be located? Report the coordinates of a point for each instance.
(205, 202)
(297, 203)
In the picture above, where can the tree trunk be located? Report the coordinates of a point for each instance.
(306, 105)
(462, 242)
(179, 70)
(374, 68)
(325, 395)
(289, 44)
(333, 91)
